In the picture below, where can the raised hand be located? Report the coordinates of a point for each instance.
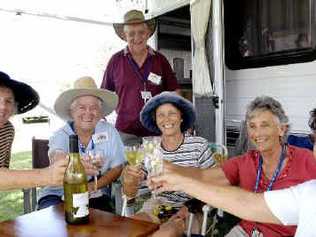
(54, 174)
(168, 181)
(132, 176)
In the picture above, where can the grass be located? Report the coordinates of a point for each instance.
(12, 201)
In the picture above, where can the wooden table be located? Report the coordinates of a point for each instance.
(50, 222)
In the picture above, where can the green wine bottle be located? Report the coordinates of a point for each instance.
(75, 187)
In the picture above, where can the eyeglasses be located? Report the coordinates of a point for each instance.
(133, 34)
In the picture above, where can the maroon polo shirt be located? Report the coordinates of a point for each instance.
(128, 81)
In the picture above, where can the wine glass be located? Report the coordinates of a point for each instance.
(154, 164)
(219, 153)
(134, 156)
(96, 157)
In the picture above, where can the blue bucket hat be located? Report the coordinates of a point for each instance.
(147, 116)
(24, 95)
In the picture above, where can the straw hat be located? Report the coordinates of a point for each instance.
(147, 116)
(82, 87)
(24, 95)
(134, 17)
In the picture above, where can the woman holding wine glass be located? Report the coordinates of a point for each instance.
(171, 116)
(83, 107)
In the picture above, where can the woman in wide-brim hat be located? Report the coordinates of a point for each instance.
(185, 107)
(172, 115)
(83, 107)
(15, 98)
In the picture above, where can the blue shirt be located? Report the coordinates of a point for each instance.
(105, 138)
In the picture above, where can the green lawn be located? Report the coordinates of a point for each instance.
(12, 202)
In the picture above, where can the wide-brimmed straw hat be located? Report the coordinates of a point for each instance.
(134, 17)
(82, 87)
(24, 95)
(147, 116)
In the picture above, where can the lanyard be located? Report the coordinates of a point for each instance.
(276, 172)
(136, 69)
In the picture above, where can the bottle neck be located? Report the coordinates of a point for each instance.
(74, 158)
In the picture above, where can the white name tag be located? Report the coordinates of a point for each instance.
(100, 137)
(146, 95)
(154, 78)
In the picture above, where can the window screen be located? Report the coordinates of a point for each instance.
(269, 32)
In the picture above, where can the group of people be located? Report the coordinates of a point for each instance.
(270, 187)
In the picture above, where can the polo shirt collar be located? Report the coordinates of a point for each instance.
(150, 51)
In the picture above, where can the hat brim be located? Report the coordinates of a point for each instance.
(119, 27)
(25, 96)
(63, 102)
(185, 106)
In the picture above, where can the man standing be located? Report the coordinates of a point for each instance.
(136, 74)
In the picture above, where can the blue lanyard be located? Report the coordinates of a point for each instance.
(276, 172)
(81, 146)
(136, 69)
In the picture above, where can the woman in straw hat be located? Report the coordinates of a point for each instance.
(17, 97)
(82, 107)
(136, 73)
(171, 116)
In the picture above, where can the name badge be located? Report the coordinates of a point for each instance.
(100, 137)
(154, 78)
(146, 95)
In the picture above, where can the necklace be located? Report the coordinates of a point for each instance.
(168, 147)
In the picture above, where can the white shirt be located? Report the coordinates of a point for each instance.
(295, 206)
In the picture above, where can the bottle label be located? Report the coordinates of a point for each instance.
(81, 204)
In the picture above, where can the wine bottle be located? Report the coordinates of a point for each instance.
(75, 187)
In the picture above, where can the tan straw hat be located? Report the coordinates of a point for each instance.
(134, 17)
(82, 87)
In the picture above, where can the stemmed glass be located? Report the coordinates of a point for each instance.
(219, 153)
(134, 156)
(153, 158)
(96, 157)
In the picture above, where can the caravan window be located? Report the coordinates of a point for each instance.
(269, 32)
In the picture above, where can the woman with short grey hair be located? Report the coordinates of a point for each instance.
(267, 103)
(270, 165)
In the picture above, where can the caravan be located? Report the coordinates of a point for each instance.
(240, 50)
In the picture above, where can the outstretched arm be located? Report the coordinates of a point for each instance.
(244, 204)
(16, 179)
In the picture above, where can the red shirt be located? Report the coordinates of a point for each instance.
(242, 171)
(120, 76)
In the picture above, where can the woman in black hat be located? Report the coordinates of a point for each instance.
(17, 98)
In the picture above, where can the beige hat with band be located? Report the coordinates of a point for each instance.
(134, 17)
(82, 87)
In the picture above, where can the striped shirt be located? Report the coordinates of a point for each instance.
(6, 139)
(193, 152)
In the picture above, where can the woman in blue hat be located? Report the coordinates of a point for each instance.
(171, 116)
(17, 98)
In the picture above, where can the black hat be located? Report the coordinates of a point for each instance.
(24, 95)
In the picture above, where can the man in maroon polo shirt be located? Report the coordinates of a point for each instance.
(136, 74)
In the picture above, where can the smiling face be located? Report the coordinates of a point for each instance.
(136, 36)
(7, 105)
(265, 130)
(168, 119)
(86, 112)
